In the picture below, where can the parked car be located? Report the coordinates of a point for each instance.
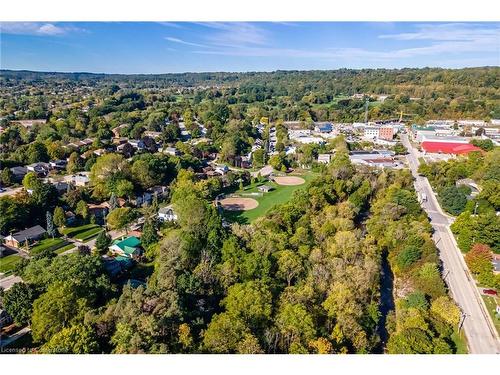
(490, 292)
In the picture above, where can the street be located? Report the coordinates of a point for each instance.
(481, 334)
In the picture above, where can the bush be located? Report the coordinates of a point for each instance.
(408, 256)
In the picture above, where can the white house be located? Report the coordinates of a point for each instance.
(324, 158)
(167, 213)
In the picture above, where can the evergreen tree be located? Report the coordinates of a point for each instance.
(50, 225)
(149, 235)
(102, 241)
(113, 202)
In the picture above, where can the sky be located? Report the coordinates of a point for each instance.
(166, 47)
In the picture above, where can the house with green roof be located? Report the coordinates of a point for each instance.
(129, 247)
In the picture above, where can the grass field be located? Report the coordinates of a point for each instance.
(83, 232)
(280, 194)
(460, 342)
(491, 306)
(48, 244)
(89, 234)
(8, 263)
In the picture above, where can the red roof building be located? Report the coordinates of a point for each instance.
(448, 148)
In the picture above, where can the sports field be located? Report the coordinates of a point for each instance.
(279, 194)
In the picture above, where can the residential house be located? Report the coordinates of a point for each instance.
(171, 151)
(41, 169)
(29, 123)
(5, 318)
(29, 235)
(138, 144)
(58, 164)
(324, 158)
(221, 169)
(79, 179)
(152, 134)
(129, 247)
(167, 214)
(18, 173)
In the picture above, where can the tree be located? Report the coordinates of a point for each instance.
(258, 158)
(18, 302)
(108, 171)
(119, 218)
(149, 234)
(113, 202)
(479, 258)
(82, 209)
(50, 225)
(224, 333)
(453, 200)
(84, 250)
(295, 324)
(30, 181)
(77, 339)
(408, 256)
(75, 163)
(124, 188)
(410, 341)
(289, 265)
(55, 310)
(6, 178)
(445, 309)
(249, 345)
(250, 301)
(102, 241)
(59, 217)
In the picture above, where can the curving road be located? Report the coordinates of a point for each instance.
(481, 334)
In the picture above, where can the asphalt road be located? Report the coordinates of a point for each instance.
(481, 334)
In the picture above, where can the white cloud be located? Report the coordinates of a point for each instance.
(443, 40)
(35, 28)
(180, 41)
(235, 34)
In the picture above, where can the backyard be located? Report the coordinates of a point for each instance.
(83, 232)
(48, 244)
(8, 263)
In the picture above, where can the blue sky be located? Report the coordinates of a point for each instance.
(152, 47)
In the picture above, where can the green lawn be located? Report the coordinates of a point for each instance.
(64, 248)
(280, 194)
(89, 234)
(460, 342)
(46, 244)
(491, 306)
(8, 263)
(83, 232)
(73, 231)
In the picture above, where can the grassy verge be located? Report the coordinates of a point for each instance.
(491, 306)
(64, 248)
(8, 263)
(47, 245)
(460, 342)
(279, 195)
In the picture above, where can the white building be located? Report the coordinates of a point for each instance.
(371, 132)
(167, 214)
(324, 158)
